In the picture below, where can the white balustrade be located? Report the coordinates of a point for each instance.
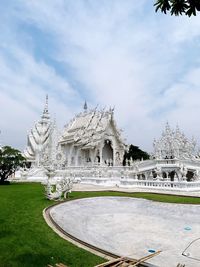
(128, 176)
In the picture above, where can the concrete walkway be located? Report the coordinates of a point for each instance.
(132, 227)
(88, 187)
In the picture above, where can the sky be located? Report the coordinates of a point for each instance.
(111, 53)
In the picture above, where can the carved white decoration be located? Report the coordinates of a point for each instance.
(62, 187)
(174, 145)
(42, 140)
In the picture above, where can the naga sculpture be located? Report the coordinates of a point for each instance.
(62, 189)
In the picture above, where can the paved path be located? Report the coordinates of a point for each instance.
(130, 227)
(88, 187)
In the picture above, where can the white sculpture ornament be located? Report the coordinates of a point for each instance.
(66, 186)
(62, 188)
(52, 195)
(184, 172)
(174, 145)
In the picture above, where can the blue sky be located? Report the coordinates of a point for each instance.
(109, 52)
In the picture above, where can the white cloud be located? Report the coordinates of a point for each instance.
(119, 53)
(24, 84)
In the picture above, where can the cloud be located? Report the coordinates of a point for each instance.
(24, 84)
(112, 53)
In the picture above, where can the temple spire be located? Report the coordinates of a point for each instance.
(177, 128)
(85, 106)
(46, 105)
(45, 114)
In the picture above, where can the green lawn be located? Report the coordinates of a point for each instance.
(26, 240)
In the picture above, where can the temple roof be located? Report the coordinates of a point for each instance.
(89, 127)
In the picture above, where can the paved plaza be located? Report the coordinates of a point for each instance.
(132, 227)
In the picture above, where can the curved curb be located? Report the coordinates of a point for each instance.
(79, 243)
(75, 241)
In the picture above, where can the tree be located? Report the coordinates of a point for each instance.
(178, 7)
(135, 153)
(10, 160)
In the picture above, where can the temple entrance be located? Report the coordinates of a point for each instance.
(164, 175)
(97, 160)
(190, 176)
(172, 175)
(107, 153)
(87, 156)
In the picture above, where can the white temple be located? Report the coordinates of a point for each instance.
(90, 138)
(91, 149)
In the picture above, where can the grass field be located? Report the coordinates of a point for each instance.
(26, 240)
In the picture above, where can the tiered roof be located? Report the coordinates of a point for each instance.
(89, 127)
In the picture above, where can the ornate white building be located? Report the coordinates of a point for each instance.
(91, 149)
(90, 138)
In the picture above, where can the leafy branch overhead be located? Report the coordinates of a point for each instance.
(178, 7)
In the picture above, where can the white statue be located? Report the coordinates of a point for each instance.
(62, 188)
(51, 194)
